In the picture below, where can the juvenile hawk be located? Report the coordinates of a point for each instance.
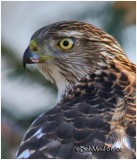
(94, 116)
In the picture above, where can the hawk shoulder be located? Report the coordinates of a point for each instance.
(99, 111)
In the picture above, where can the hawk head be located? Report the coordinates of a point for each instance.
(65, 52)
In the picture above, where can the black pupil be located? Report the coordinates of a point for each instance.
(65, 43)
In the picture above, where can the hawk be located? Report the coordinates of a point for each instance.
(94, 116)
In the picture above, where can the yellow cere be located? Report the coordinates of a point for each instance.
(66, 43)
(44, 58)
(33, 45)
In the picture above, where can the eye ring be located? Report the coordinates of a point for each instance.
(66, 43)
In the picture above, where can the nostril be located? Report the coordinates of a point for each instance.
(35, 49)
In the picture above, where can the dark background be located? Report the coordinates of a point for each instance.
(26, 94)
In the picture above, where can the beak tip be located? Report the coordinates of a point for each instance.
(24, 65)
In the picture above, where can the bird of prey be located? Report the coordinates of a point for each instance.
(94, 116)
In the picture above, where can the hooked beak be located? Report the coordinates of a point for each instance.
(31, 57)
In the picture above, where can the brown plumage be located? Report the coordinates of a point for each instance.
(95, 112)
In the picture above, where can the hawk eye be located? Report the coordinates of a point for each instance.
(66, 43)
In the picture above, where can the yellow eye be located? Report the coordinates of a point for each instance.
(33, 45)
(66, 43)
